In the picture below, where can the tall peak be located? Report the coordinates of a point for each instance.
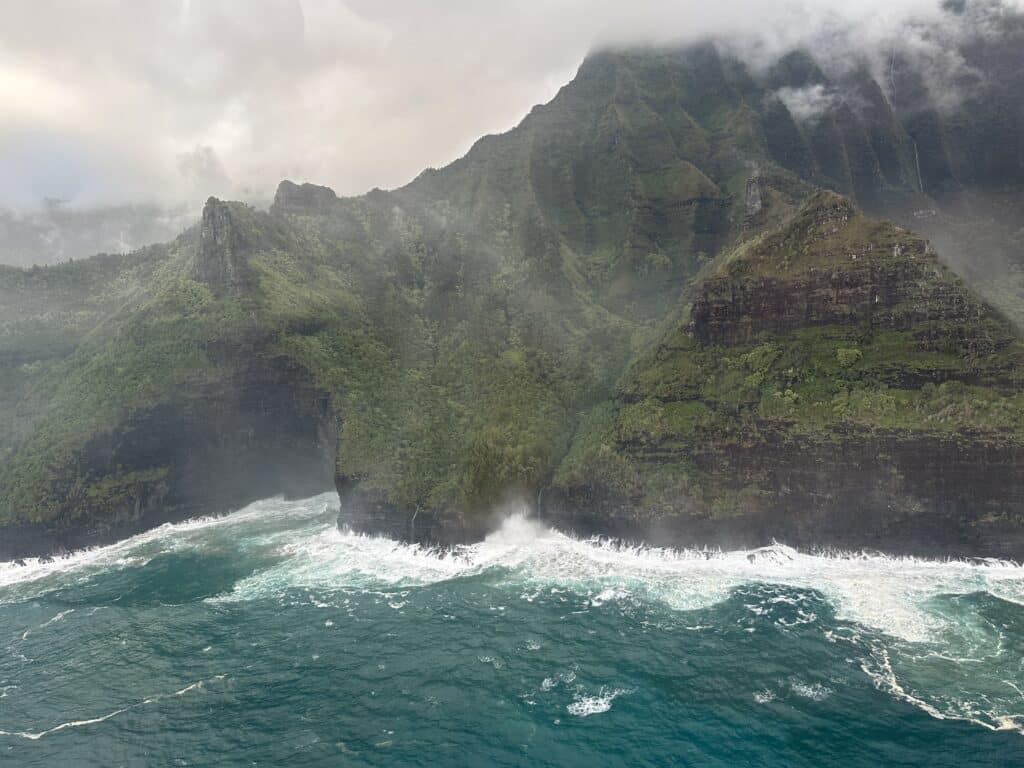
(218, 259)
(303, 198)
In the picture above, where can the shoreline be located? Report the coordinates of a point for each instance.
(924, 537)
(709, 548)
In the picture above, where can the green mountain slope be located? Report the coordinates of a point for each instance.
(435, 349)
(830, 374)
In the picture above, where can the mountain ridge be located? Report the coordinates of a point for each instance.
(833, 385)
(433, 349)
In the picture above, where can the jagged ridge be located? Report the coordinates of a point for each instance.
(449, 333)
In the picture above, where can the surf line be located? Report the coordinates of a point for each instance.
(35, 736)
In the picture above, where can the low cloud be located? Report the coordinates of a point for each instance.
(156, 100)
(809, 103)
(203, 171)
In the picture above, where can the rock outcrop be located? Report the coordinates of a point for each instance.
(832, 266)
(264, 430)
(304, 198)
(835, 386)
(220, 260)
(470, 333)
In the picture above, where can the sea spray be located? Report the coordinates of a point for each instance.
(573, 631)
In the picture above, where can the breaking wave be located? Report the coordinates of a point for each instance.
(927, 636)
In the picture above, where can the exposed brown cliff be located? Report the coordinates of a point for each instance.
(835, 385)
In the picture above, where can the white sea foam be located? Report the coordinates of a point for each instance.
(304, 550)
(36, 735)
(812, 691)
(889, 594)
(265, 523)
(585, 706)
(893, 595)
(59, 617)
(881, 670)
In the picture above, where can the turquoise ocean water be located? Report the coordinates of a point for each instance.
(269, 637)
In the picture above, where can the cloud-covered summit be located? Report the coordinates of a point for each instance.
(108, 102)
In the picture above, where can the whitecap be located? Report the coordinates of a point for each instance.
(889, 594)
(303, 551)
(263, 524)
(59, 617)
(585, 706)
(812, 691)
(879, 668)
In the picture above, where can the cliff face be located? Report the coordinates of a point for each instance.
(220, 261)
(835, 385)
(849, 487)
(933, 492)
(172, 405)
(262, 431)
(438, 348)
(833, 267)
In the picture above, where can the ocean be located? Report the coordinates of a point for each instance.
(269, 637)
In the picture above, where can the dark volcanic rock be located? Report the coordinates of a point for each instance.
(824, 393)
(265, 431)
(303, 198)
(219, 259)
(371, 513)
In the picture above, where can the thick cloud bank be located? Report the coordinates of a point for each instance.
(107, 102)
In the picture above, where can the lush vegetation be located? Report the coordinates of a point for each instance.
(128, 362)
(819, 382)
(475, 329)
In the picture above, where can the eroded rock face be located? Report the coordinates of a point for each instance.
(827, 391)
(265, 430)
(875, 296)
(304, 198)
(753, 202)
(219, 259)
(896, 490)
(371, 513)
(818, 273)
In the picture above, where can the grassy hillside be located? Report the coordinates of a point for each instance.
(471, 333)
(833, 329)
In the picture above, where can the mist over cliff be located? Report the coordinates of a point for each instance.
(695, 264)
(209, 107)
(53, 232)
(666, 406)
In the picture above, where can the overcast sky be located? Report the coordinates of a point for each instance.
(172, 100)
